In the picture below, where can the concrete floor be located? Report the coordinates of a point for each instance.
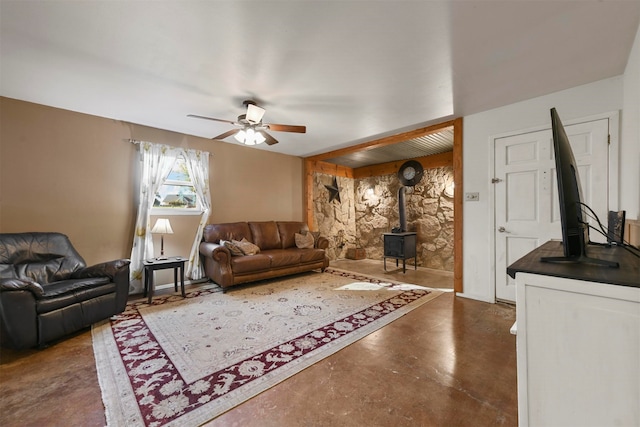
(450, 362)
(418, 276)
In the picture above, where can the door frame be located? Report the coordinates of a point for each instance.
(613, 118)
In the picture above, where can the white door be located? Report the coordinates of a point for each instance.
(526, 193)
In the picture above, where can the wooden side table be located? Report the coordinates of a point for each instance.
(151, 265)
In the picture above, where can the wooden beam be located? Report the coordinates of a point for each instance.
(427, 162)
(329, 168)
(389, 140)
(308, 194)
(458, 285)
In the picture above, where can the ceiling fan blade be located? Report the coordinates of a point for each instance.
(286, 128)
(211, 118)
(269, 139)
(226, 134)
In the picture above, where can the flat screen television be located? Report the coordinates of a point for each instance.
(575, 231)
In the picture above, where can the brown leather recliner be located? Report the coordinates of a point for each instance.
(47, 291)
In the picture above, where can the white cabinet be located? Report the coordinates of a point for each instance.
(578, 352)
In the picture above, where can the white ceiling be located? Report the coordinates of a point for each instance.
(350, 71)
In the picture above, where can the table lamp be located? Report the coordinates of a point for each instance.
(162, 227)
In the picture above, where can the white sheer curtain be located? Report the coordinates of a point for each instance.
(156, 162)
(198, 166)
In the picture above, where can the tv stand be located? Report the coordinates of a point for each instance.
(577, 338)
(538, 262)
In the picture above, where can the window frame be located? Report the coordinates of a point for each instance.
(164, 211)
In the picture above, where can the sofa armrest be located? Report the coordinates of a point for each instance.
(219, 253)
(217, 263)
(106, 269)
(21, 285)
(322, 243)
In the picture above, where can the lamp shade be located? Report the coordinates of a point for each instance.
(249, 136)
(240, 136)
(259, 138)
(162, 226)
(254, 113)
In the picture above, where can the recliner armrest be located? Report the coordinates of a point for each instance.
(105, 269)
(21, 285)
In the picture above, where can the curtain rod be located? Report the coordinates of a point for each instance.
(137, 141)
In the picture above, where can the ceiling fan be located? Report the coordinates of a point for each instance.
(252, 131)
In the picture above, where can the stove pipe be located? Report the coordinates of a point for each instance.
(401, 210)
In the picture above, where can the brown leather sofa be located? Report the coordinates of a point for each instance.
(278, 254)
(47, 291)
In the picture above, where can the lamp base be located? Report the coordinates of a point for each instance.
(161, 257)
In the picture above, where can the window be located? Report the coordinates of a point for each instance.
(177, 196)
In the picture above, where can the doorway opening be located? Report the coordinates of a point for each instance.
(322, 163)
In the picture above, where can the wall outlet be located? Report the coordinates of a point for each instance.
(471, 197)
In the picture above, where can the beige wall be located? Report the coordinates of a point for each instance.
(76, 174)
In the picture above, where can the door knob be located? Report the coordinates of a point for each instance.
(502, 229)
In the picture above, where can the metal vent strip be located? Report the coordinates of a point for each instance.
(426, 145)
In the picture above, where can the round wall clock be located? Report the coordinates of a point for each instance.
(410, 173)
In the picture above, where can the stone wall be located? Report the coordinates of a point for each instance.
(336, 220)
(369, 208)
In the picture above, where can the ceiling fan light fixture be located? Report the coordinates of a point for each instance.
(251, 129)
(259, 138)
(254, 114)
(240, 136)
(249, 137)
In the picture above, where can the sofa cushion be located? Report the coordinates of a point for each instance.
(42, 257)
(55, 289)
(68, 292)
(287, 230)
(213, 233)
(250, 264)
(265, 235)
(311, 255)
(283, 257)
(304, 241)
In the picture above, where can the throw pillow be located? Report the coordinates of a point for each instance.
(315, 234)
(247, 247)
(233, 248)
(304, 241)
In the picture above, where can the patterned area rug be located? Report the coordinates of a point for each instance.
(184, 361)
